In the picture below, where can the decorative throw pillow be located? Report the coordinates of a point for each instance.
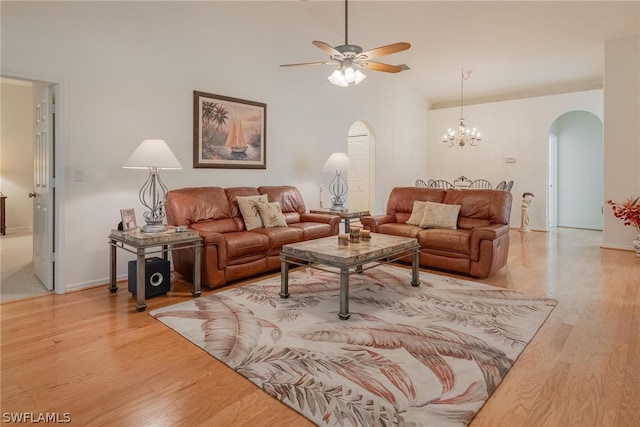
(249, 208)
(271, 214)
(440, 215)
(417, 213)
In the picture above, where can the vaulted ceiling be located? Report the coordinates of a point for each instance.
(515, 48)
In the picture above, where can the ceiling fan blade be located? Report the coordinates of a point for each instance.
(307, 63)
(385, 50)
(328, 49)
(378, 66)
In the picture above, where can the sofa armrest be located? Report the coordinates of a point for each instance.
(372, 221)
(489, 232)
(325, 219)
(213, 238)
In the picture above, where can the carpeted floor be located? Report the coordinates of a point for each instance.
(430, 355)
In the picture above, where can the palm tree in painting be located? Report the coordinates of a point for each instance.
(214, 115)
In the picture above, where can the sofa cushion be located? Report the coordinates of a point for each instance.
(491, 205)
(417, 213)
(241, 244)
(401, 199)
(250, 209)
(288, 196)
(234, 192)
(471, 223)
(396, 229)
(279, 236)
(313, 230)
(440, 215)
(271, 215)
(190, 205)
(446, 239)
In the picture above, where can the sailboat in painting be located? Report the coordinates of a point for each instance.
(235, 137)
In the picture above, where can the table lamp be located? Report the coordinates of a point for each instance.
(153, 154)
(338, 162)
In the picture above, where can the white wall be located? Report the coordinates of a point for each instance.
(621, 134)
(16, 154)
(580, 183)
(128, 70)
(517, 128)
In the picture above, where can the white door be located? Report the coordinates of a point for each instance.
(358, 192)
(553, 177)
(43, 192)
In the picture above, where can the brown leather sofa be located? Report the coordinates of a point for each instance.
(230, 252)
(479, 246)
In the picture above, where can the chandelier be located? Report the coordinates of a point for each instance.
(462, 136)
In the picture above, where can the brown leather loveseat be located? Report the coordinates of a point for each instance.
(230, 252)
(479, 244)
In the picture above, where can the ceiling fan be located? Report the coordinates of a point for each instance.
(351, 57)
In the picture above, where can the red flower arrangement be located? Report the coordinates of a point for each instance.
(628, 212)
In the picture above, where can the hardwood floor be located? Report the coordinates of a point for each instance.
(91, 355)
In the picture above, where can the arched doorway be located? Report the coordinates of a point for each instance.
(361, 151)
(576, 171)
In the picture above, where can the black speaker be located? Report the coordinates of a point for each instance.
(157, 277)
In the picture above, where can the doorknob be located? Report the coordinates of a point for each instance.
(32, 194)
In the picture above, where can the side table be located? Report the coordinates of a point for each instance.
(346, 215)
(137, 242)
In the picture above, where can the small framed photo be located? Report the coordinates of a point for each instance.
(128, 219)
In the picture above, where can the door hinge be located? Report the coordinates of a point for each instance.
(54, 257)
(52, 183)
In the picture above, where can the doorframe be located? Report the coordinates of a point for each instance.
(59, 197)
(372, 158)
(552, 184)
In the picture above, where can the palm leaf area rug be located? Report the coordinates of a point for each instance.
(408, 356)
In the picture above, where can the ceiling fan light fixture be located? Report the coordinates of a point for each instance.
(337, 78)
(344, 75)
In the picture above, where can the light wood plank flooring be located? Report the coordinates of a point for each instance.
(90, 354)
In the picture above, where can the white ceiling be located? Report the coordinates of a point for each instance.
(515, 48)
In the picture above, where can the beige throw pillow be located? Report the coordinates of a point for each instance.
(417, 213)
(249, 208)
(271, 214)
(440, 215)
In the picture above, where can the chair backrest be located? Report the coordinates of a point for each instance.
(501, 185)
(480, 183)
(420, 183)
(440, 183)
(509, 186)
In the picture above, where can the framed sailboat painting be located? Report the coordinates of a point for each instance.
(228, 132)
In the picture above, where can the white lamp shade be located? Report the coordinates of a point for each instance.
(152, 153)
(337, 162)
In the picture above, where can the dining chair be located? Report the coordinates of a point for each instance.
(440, 183)
(420, 183)
(509, 186)
(501, 185)
(480, 183)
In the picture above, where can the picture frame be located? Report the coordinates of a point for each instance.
(229, 133)
(128, 219)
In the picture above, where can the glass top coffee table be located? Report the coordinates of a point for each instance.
(350, 259)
